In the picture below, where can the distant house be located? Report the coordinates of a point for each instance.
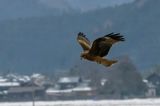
(15, 87)
(68, 82)
(38, 79)
(5, 84)
(153, 84)
(151, 92)
(26, 92)
(70, 87)
(154, 79)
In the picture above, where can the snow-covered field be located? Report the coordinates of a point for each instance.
(133, 102)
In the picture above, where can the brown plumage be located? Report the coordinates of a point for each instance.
(100, 47)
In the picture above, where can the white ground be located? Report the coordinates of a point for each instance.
(133, 102)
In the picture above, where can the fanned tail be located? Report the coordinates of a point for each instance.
(105, 62)
(108, 63)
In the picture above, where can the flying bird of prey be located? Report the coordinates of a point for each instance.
(100, 47)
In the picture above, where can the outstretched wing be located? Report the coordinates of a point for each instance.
(101, 46)
(83, 41)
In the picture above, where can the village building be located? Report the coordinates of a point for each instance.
(151, 90)
(70, 87)
(154, 79)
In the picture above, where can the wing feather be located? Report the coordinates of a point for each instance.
(102, 45)
(83, 41)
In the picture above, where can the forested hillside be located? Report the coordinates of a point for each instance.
(48, 43)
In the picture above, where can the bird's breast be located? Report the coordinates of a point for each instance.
(90, 57)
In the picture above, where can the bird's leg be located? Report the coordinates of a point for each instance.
(98, 59)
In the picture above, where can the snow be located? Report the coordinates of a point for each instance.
(69, 80)
(82, 89)
(8, 84)
(2, 79)
(51, 90)
(58, 91)
(132, 102)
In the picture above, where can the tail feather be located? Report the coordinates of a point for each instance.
(108, 63)
(105, 62)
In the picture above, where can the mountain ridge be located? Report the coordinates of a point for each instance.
(31, 8)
